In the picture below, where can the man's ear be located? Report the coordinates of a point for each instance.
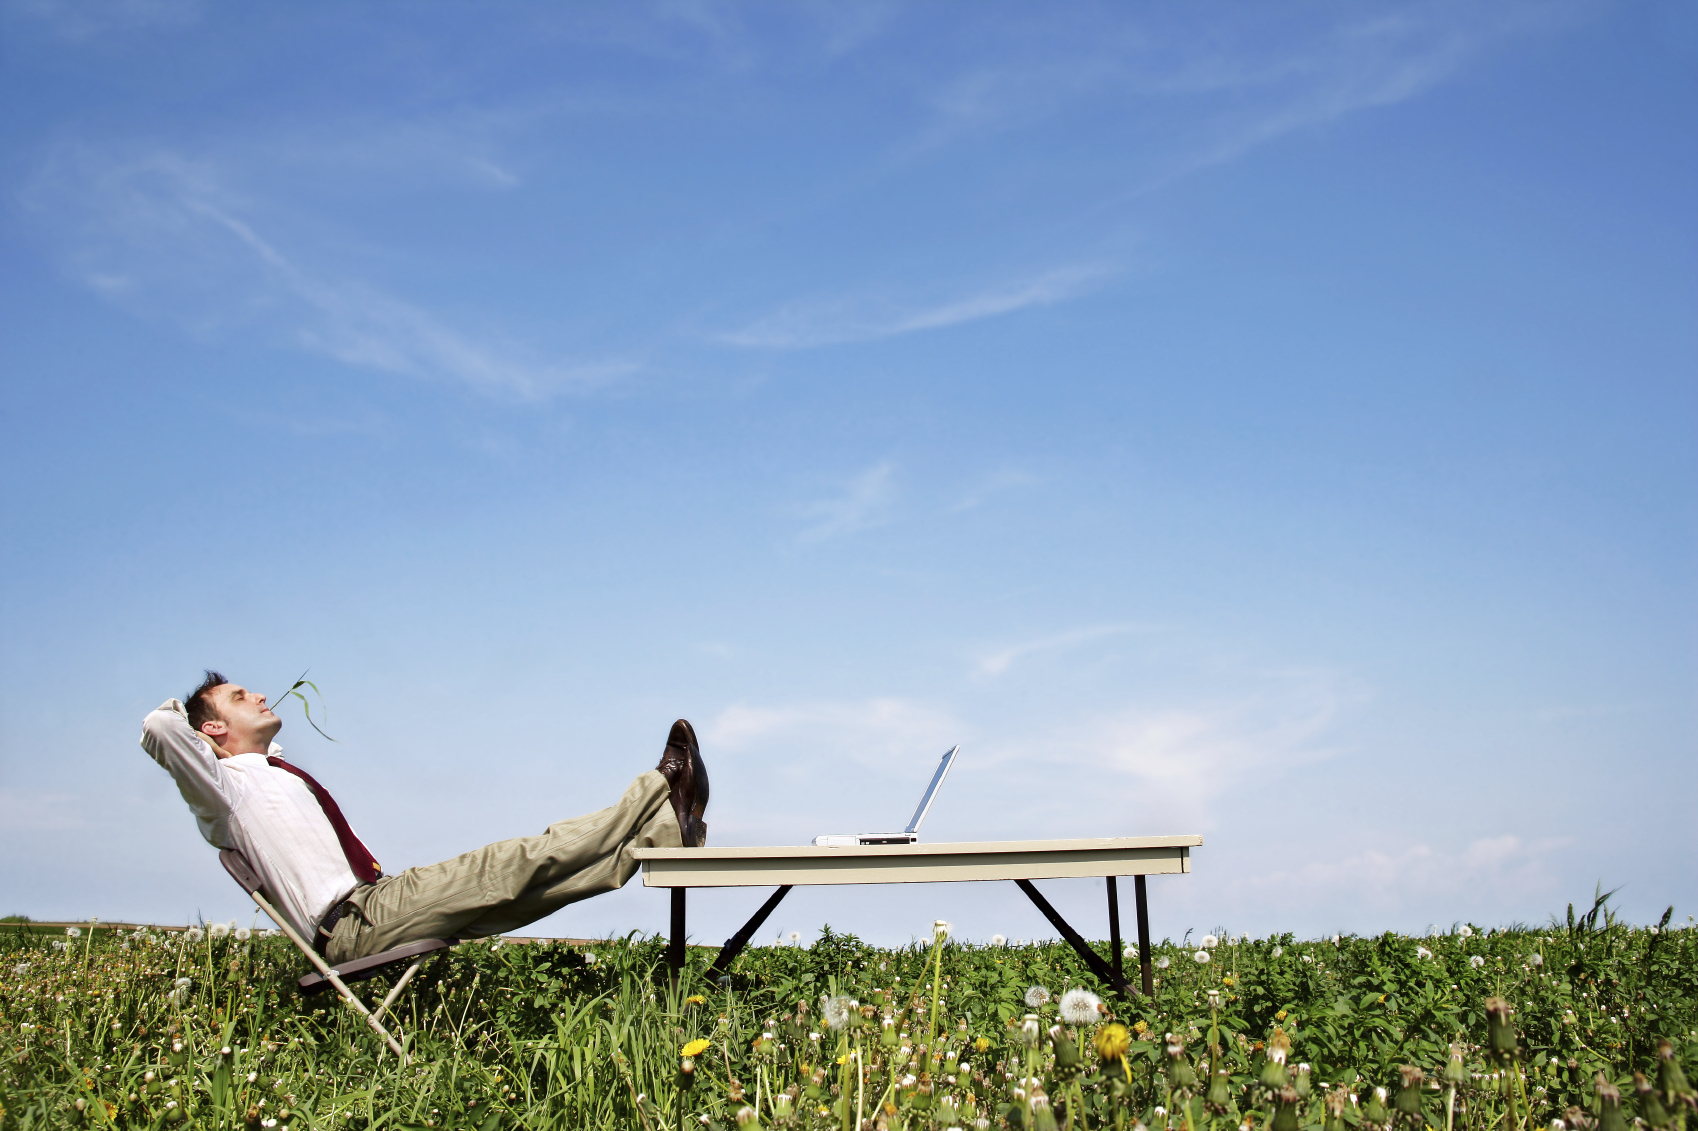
(215, 728)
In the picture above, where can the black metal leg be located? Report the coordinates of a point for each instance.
(735, 944)
(1092, 959)
(1114, 928)
(675, 944)
(1144, 937)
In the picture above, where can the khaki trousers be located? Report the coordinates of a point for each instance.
(502, 887)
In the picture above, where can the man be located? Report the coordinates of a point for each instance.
(319, 875)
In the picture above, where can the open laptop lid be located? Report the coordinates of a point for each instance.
(925, 805)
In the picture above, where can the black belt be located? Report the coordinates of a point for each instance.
(327, 925)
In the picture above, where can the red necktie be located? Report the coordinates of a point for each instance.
(359, 857)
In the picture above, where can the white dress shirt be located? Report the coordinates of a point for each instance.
(265, 813)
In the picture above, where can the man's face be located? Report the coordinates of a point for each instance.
(243, 716)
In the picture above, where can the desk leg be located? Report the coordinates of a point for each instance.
(1144, 937)
(1114, 927)
(735, 944)
(1090, 957)
(675, 944)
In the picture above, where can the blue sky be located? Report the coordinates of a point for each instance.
(1274, 422)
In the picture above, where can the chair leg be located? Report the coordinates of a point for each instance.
(330, 976)
(395, 992)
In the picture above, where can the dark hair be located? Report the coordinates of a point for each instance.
(199, 704)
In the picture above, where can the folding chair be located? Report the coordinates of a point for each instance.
(413, 953)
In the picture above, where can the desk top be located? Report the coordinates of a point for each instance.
(769, 866)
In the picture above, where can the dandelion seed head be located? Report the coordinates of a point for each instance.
(1201, 958)
(1423, 952)
(1465, 931)
(1079, 1006)
(194, 934)
(1209, 942)
(941, 929)
(1278, 951)
(1537, 959)
(997, 940)
(74, 932)
(1037, 996)
(218, 930)
(1476, 961)
(1163, 962)
(836, 1012)
(795, 937)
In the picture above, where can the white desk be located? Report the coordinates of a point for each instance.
(1019, 860)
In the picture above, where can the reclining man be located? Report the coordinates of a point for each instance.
(218, 746)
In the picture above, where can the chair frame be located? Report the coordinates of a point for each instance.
(414, 954)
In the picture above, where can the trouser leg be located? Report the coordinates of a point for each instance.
(505, 885)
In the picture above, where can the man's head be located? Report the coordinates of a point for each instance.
(234, 718)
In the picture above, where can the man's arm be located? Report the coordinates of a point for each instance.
(210, 790)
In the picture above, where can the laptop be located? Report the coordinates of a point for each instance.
(909, 835)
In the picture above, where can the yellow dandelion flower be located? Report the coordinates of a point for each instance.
(695, 999)
(1281, 1015)
(981, 1044)
(1112, 1041)
(696, 1047)
(1141, 1027)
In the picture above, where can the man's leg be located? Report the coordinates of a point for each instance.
(505, 885)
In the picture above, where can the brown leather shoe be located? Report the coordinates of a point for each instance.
(683, 729)
(678, 768)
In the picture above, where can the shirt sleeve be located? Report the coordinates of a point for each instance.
(211, 791)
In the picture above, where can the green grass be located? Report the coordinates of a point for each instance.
(549, 1036)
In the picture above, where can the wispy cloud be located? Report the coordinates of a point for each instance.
(875, 733)
(162, 234)
(861, 503)
(1486, 870)
(1000, 660)
(829, 322)
(1181, 755)
(85, 19)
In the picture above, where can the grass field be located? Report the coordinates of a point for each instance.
(1471, 1030)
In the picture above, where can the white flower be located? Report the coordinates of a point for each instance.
(1029, 1030)
(1278, 950)
(795, 938)
(1163, 963)
(835, 1011)
(184, 983)
(997, 940)
(218, 930)
(1036, 996)
(1476, 961)
(941, 929)
(194, 934)
(1079, 1006)
(74, 932)
(1537, 959)
(243, 934)
(1201, 958)
(1130, 951)
(1210, 942)
(1423, 952)
(1465, 931)
(589, 958)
